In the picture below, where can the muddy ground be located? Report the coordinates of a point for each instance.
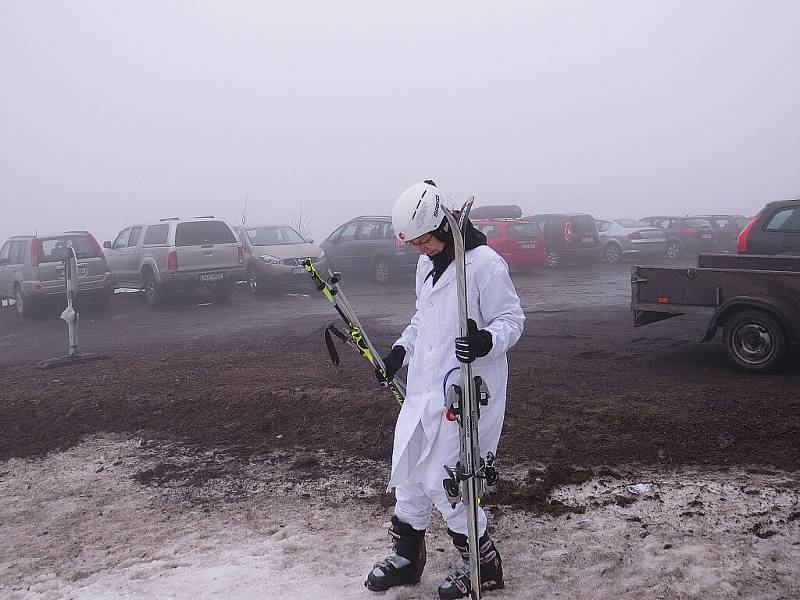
(208, 391)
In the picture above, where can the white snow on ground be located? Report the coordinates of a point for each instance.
(77, 525)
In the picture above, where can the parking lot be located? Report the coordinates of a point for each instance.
(131, 325)
(214, 412)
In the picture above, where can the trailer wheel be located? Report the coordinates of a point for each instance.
(755, 341)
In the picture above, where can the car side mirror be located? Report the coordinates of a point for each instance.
(107, 244)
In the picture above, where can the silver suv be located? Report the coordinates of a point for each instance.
(32, 270)
(175, 254)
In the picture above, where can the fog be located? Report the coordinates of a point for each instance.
(123, 112)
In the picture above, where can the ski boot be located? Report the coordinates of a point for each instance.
(457, 584)
(405, 566)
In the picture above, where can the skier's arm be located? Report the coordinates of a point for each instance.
(500, 308)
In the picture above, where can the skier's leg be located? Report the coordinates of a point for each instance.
(413, 506)
(456, 518)
(405, 565)
(456, 585)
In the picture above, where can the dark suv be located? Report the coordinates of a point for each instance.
(368, 244)
(726, 229)
(568, 238)
(685, 235)
(775, 230)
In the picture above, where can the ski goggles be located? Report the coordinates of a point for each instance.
(422, 240)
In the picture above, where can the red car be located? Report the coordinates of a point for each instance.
(519, 242)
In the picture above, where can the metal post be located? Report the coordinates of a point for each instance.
(70, 315)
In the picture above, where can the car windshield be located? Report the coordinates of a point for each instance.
(274, 236)
(697, 223)
(55, 249)
(630, 223)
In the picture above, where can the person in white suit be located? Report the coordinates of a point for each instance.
(424, 439)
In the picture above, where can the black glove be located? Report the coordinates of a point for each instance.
(477, 343)
(393, 362)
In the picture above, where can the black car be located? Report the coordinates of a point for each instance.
(368, 244)
(726, 229)
(568, 238)
(775, 230)
(685, 235)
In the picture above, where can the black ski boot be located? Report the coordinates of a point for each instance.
(405, 566)
(457, 584)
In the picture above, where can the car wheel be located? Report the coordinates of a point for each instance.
(154, 294)
(382, 271)
(254, 283)
(24, 309)
(552, 259)
(612, 253)
(755, 341)
(674, 250)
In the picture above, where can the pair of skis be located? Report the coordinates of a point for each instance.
(354, 336)
(472, 477)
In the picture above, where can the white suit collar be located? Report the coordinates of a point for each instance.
(450, 273)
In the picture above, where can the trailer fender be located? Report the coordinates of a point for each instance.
(780, 309)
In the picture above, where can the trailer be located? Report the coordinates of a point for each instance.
(755, 300)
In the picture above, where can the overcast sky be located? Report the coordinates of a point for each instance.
(120, 112)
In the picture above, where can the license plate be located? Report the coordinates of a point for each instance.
(298, 270)
(211, 276)
(82, 272)
(706, 236)
(587, 239)
(527, 246)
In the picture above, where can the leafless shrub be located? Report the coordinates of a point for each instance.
(301, 221)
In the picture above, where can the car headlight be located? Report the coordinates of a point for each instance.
(270, 260)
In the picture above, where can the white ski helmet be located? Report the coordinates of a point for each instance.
(417, 211)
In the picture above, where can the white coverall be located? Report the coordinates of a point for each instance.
(424, 440)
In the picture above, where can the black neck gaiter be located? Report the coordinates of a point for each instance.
(441, 261)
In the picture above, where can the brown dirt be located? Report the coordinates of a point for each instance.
(585, 391)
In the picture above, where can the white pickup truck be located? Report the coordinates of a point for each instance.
(175, 254)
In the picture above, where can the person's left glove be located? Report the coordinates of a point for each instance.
(477, 343)
(393, 363)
